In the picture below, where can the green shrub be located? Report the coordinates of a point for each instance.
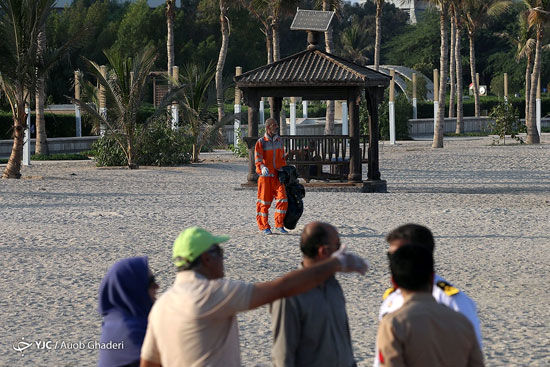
(59, 157)
(57, 125)
(506, 122)
(156, 145)
(426, 109)
(107, 151)
(159, 145)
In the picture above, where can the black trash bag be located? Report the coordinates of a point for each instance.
(295, 192)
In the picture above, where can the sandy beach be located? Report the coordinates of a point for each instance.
(65, 223)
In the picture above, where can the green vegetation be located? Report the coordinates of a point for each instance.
(506, 122)
(60, 157)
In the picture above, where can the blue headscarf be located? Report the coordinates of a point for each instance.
(124, 303)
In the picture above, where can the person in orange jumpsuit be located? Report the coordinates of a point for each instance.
(269, 157)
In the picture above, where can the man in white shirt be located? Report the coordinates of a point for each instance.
(194, 323)
(443, 292)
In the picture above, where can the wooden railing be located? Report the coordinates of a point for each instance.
(309, 153)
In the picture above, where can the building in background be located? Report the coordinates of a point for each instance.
(413, 7)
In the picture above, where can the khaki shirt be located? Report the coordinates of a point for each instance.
(194, 323)
(424, 333)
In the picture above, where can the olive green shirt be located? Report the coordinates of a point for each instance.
(311, 329)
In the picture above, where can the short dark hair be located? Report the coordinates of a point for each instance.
(412, 267)
(413, 233)
(313, 237)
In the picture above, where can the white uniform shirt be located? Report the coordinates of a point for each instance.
(444, 293)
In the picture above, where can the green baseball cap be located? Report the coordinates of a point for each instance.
(191, 243)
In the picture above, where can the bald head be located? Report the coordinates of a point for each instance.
(271, 126)
(316, 235)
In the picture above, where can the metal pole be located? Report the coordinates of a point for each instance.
(175, 108)
(436, 95)
(345, 124)
(102, 100)
(539, 109)
(392, 107)
(292, 115)
(77, 114)
(415, 108)
(237, 110)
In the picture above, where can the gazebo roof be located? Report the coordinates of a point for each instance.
(313, 68)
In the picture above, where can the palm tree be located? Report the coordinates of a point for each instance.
(539, 16)
(478, 12)
(525, 46)
(41, 145)
(196, 100)
(440, 118)
(458, 18)
(224, 25)
(124, 85)
(170, 12)
(355, 44)
(452, 66)
(378, 38)
(20, 66)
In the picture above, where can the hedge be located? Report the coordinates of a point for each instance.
(57, 125)
(426, 109)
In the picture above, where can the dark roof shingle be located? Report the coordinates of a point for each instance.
(312, 68)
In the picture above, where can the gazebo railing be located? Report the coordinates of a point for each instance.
(311, 154)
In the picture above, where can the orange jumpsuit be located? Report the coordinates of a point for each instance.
(269, 152)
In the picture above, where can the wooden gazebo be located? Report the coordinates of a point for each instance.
(317, 75)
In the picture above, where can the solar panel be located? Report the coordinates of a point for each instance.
(312, 20)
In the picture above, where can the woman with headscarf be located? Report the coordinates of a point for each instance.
(126, 296)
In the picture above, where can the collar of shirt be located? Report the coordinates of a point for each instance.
(267, 137)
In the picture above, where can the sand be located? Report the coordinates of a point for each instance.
(67, 222)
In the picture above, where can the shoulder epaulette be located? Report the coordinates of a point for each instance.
(447, 288)
(388, 292)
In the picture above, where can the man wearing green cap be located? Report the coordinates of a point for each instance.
(194, 322)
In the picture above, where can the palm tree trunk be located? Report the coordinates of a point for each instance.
(473, 72)
(41, 145)
(378, 39)
(170, 34)
(532, 132)
(269, 43)
(224, 24)
(452, 69)
(459, 82)
(329, 118)
(440, 121)
(276, 40)
(13, 168)
(528, 69)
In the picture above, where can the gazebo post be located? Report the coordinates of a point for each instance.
(374, 97)
(253, 104)
(355, 169)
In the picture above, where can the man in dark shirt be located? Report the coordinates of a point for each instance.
(311, 329)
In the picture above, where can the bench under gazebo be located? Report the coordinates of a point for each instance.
(314, 74)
